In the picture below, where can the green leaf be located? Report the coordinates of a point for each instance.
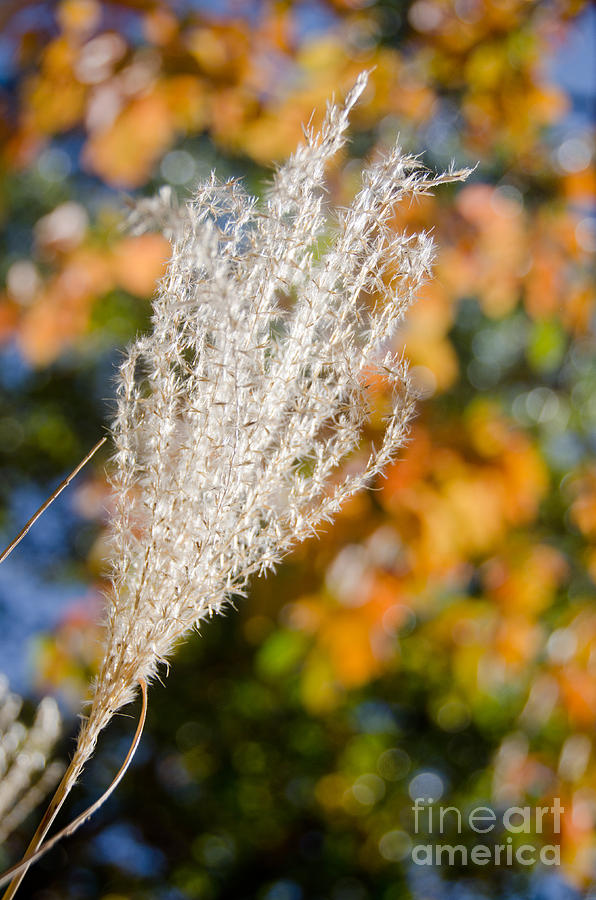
(546, 346)
(280, 653)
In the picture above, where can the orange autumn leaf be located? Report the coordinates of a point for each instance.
(78, 16)
(138, 262)
(497, 255)
(160, 26)
(517, 641)
(54, 100)
(186, 99)
(221, 50)
(347, 646)
(526, 579)
(61, 312)
(579, 309)
(9, 317)
(583, 510)
(424, 335)
(450, 505)
(125, 153)
(580, 187)
(578, 689)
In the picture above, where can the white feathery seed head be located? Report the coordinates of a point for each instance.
(236, 412)
(27, 773)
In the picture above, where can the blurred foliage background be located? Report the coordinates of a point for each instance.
(440, 639)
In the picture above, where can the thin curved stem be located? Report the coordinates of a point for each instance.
(63, 484)
(36, 849)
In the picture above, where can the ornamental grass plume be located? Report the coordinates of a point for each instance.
(236, 412)
(27, 771)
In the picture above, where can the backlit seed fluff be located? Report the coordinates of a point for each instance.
(237, 411)
(26, 773)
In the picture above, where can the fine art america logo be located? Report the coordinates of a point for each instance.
(502, 842)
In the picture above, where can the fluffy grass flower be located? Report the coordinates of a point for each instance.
(237, 411)
(27, 771)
